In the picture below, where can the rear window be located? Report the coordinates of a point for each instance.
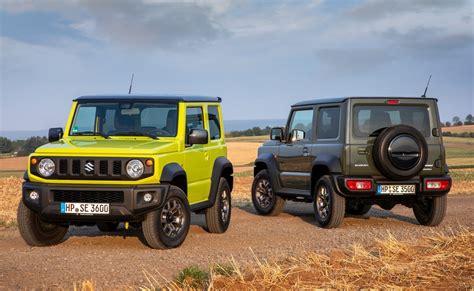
(370, 118)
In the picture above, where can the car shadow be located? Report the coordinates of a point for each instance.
(92, 231)
(305, 212)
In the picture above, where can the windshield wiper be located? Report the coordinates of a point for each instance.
(92, 133)
(132, 133)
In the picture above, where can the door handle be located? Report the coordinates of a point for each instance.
(305, 152)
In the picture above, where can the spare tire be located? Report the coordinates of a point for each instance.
(400, 152)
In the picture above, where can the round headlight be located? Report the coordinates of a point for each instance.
(46, 167)
(135, 168)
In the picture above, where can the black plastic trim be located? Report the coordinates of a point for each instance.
(130, 210)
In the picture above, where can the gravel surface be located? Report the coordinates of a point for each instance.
(112, 260)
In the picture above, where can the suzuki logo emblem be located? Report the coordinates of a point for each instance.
(89, 167)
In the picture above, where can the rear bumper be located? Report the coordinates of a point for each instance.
(419, 182)
(128, 207)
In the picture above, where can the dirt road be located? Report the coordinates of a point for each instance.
(112, 261)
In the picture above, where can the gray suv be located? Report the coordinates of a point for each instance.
(346, 154)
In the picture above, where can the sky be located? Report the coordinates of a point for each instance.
(259, 56)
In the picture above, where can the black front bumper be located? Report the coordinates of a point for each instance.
(130, 207)
(419, 182)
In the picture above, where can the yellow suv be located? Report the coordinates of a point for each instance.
(144, 160)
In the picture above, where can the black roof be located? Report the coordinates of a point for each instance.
(148, 98)
(342, 99)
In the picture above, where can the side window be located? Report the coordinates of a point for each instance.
(214, 124)
(302, 120)
(194, 118)
(328, 122)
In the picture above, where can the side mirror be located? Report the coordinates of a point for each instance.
(276, 133)
(55, 134)
(198, 136)
(297, 135)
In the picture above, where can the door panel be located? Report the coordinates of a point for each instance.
(294, 159)
(196, 159)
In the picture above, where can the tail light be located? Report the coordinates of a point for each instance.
(352, 184)
(437, 185)
(392, 102)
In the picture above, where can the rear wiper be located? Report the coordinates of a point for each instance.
(132, 133)
(92, 133)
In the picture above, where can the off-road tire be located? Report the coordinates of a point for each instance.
(431, 211)
(216, 220)
(36, 232)
(381, 156)
(353, 208)
(275, 203)
(152, 227)
(335, 203)
(107, 226)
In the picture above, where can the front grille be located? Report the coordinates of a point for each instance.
(91, 168)
(86, 196)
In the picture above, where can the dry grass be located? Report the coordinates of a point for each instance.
(14, 164)
(10, 194)
(462, 128)
(440, 261)
(242, 153)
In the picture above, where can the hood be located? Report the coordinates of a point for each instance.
(99, 146)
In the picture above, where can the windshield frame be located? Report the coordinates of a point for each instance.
(77, 105)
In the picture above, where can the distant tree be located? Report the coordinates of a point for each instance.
(442, 124)
(469, 120)
(6, 145)
(459, 123)
(456, 120)
(447, 124)
(31, 144)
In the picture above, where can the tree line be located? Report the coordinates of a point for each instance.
(456, 121)
(255, 131)
(21, 147)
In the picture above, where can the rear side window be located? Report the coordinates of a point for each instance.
(194, 118)
(328, 122)
(370, 118)
(214, 124)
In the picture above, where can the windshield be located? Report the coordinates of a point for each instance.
(125, 119)
(370, 118)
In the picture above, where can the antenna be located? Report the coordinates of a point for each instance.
(426, 89)
(131, 83)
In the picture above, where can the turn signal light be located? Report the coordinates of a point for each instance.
(437, 184)
(34, 161)
(359, 184)
(149, 162)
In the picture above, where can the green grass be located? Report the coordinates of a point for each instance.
(466, 175)
(11, 173)
(450, 139)
(192, 277)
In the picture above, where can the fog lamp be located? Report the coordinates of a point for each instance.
(34, 195)
(147, 197)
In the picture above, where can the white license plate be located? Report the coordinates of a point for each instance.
(84, 208)
(396, 189)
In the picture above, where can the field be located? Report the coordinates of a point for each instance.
(458, 129)
(258, 252)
